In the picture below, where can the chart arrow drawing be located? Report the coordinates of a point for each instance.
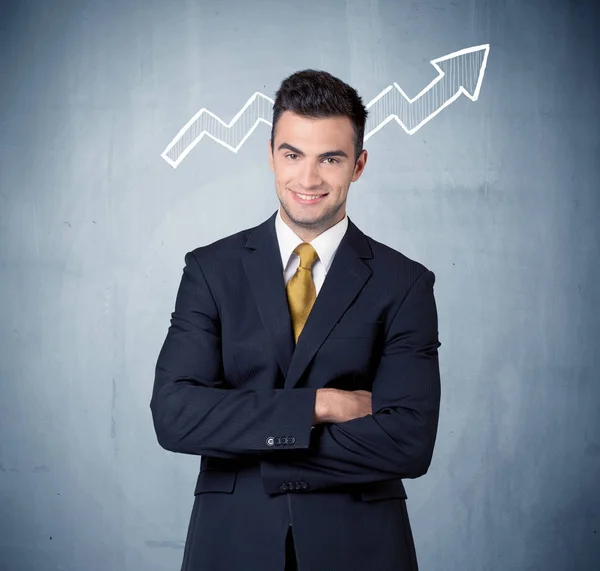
(459, 73)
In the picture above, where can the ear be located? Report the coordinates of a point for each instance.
(271, 160)
(360, 165)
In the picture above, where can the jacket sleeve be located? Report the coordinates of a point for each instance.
(397, 440)
(194, 411)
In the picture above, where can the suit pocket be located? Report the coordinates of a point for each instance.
(215, 481)
(383, 491)
(356, 330)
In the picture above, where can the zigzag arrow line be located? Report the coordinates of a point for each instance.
(459, 73)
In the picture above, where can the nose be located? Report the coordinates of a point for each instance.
(310, 176)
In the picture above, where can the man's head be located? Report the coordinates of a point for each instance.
(316, 149)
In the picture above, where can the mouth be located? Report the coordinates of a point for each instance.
(308, 198)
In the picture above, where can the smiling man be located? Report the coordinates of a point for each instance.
(301, 364)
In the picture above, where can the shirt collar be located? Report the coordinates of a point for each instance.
(325, 244)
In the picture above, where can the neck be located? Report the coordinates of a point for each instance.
(308, 232)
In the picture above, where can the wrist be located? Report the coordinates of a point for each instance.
(323, 406)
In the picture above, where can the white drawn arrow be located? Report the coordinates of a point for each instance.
(459, 73)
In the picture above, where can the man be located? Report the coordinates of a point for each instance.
(301, 363)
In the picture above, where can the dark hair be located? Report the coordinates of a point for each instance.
(314, 93)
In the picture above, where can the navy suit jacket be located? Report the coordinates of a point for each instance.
(232, 386)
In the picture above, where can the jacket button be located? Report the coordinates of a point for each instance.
(277, 441)
(270, 441)
(291, 440)
(297, 485)
(284, 487)
(304, 485)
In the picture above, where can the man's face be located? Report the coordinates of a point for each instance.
(313, 158)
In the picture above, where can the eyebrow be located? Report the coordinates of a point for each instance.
(336, 153)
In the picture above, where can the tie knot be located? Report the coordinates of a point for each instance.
(308, 255)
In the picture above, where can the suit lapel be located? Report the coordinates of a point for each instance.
(265, 275)
(346, 277)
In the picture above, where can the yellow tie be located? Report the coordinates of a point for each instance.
(301, 291)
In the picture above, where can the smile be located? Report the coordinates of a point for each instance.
(308, 198)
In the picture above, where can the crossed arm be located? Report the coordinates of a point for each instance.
(194, 413)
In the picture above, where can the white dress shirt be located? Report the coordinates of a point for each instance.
(325, 244)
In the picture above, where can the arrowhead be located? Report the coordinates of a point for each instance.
(465, 68)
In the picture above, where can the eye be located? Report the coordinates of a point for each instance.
(290, 155)
(333, 161)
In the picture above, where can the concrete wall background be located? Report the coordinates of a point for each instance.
(500, 197)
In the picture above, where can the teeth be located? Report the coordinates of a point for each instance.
(304, 197)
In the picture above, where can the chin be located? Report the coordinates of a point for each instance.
(310, 220)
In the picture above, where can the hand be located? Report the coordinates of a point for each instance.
(336, 405)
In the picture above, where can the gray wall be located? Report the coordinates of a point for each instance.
(499, 197)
